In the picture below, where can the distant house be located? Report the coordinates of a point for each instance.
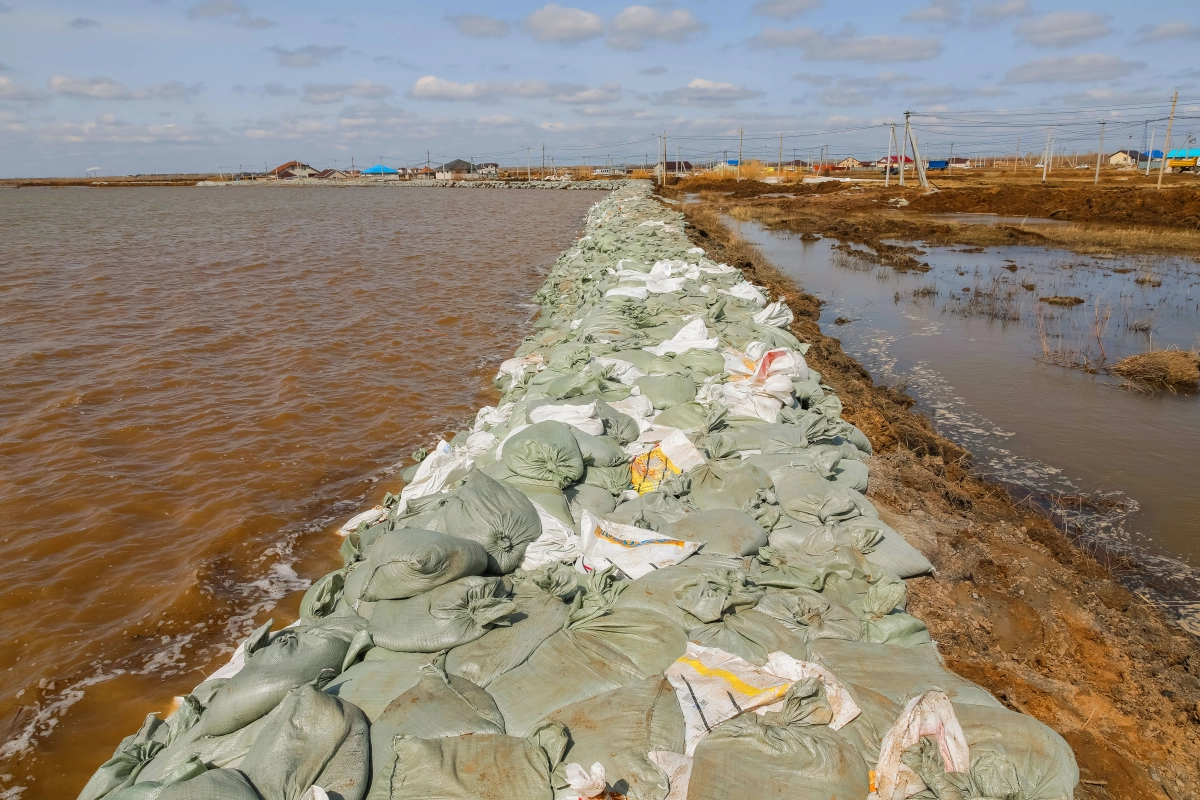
(965, 163)
(850, 162)
(673, 168)
(894, 160)
(295, 169)
(381, 173)
(1124, 158)
(795, 165)
(490, 170)
(331, 175)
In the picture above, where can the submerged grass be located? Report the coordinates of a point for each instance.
(1171, 369)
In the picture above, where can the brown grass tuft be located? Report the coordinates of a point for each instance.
(1167, 369)
(1063, 300)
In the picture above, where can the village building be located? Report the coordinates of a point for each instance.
(294, 169)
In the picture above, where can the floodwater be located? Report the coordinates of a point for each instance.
(969, 218)
(196, 385)
(966, 340)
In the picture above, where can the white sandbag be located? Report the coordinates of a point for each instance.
(370, 516)
(583, 417)
(693, 336)
(583, 784)
(638, 408)
(635, 551)
(558, 543)
(620, 370)
(746, 291)
(490, 416)
(633, 292)
(678, 769)
(440, 468)
(930, 714)
(775, 314)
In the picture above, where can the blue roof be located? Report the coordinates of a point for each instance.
(379, 169)
(1192, 153)
(1152, 154)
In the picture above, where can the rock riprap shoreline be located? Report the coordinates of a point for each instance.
(649, 571)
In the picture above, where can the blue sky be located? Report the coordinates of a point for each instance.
(180, 85)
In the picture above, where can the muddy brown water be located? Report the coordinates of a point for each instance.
(196, 386)
(1116, 466)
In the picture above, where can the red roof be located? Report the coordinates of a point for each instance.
(896, 160)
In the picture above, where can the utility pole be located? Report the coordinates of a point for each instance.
(904, 148)
(1150, 152)
(1046, 156)
(528, 166)
(1167, 144)
(1018, 158)
(887, 165)
(677, 165)
(920, 166)
(779, 164)
(950, 163)
(739, 172)
(1099, 154)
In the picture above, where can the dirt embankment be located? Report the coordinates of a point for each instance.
(1178, 206)
(1013, 605)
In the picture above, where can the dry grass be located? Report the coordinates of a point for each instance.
(1171, 369)
(1058, 300)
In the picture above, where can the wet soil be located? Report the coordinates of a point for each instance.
(1014, 605)
(1178, 206)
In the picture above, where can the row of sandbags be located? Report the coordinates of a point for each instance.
(650, 570)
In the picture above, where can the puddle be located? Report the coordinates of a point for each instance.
(973, 344)
(993, 219)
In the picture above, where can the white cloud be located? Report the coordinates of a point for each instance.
(477, 26)
(1063, 29)
(10, 90)
(555, 23)
(637, 25)
(109, 129)
(109, 89)
(1001, 10)
(847, 90)
(844, 45)
(431, 87)
(229, 10)
(1148, 34)
(308, 56)
(1072, 69)
(322, 93)
(83, 23)
(784, 9)
(943, 11)
(701, 92)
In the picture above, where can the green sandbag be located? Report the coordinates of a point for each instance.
(619, 729)
(897, 673)
(811, 614)
(666, 365)
(667, 391)
(749, 634)
(445, 617)
(274, 666)
(821, 459)
(585, 660)
(540, 609)
(882, 622)
(495, 515)
(152, 790)
(892, 552)
(439, 706)
(652, 510)
(638, 357)
(780, 568)
(613, 480)
(685, 416)
(217, 784)
(722, 531)
(599, 451)
(548, 496)
(726, 483)
(131, 757)
(584, 497)
(407, 562)
(377, 680)
(689, 594)
(808, 497)
(545, 451)
(322, 597)
(317, 740)
(620, 427)
(1014, 755)
(758, 756)
(702, 362)
(478, 767)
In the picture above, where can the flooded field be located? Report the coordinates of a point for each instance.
(1020, 381)
(196, 384)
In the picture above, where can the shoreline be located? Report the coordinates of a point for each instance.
(1015, 605)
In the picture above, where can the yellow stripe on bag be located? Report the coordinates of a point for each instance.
(733, 680)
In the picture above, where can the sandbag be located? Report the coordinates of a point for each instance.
(811, 615)
(407, 562)
(377, 680)
(685, 417)
(217, 784)
(792, 751)
(884, 623)
(540, 608)
(892, 551)
(620, 427)
(751, 635)
(667, 391)
(442, 618)
(545, 451)
(614, 480)
(584, 497)
(316, 740)
(546, 496)
(689, 594)
(722, 531)
(495, 515)
(701, 362)
(132, 755)
(1016, 755)
(274, 666)
(896, 672)
(322, 597)
(620, 728)
(600, 451)
(653, 510)
(478, 767)
(726, 484)
(808, 497)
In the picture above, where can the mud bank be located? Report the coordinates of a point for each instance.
(1014, 605)
(606, 186)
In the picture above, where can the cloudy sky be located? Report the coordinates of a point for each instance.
(180, 85)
